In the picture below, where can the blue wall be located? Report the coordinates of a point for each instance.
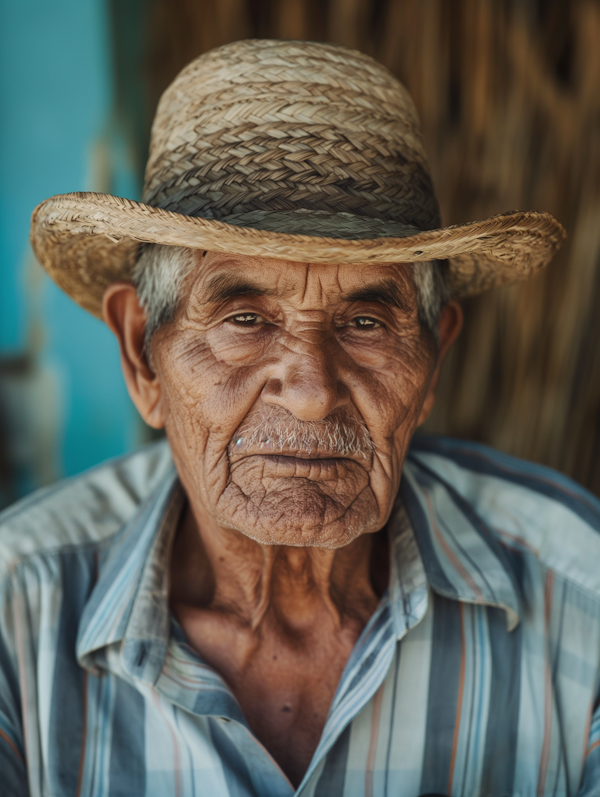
(58, 134)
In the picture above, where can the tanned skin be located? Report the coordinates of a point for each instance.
(279, 561)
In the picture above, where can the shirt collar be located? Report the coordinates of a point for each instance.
(437, 541)
(461, 554)
(129, 603)
(408, 587)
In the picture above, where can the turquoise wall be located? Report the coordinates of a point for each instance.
(57, 134)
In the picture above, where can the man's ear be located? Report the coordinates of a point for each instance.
(125, 316)
(449, 326)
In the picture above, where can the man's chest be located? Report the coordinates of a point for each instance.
(285, 691)
(286, 708)
(284, 681)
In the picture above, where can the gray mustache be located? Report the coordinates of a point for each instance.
(280, 431)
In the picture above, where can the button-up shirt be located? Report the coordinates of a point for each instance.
(477, 675)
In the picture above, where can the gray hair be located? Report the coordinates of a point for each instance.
(160, 273)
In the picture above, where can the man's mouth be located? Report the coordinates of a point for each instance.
(300, 456)
(268, 450)
(298, 464)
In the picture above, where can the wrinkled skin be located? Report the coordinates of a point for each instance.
(279, 560)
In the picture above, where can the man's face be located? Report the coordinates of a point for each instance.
(290, 393)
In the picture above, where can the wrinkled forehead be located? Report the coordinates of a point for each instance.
(219, 276)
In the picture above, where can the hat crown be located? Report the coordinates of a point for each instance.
(263, 128)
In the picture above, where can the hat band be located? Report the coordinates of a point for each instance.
(321, 223)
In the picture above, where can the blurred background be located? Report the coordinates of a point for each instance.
(509, 97)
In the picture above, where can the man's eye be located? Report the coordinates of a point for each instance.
(364, 322)
(245, 319)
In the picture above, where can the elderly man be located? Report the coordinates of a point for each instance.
(292, 595)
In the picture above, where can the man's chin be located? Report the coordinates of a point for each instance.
(327, 538)
(298, 512)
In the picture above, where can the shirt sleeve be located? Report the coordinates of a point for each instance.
(590, 782)
(12, 766)
(13, 771)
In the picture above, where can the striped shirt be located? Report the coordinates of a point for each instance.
(477, 675)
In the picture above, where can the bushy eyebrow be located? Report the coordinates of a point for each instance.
(227, 286)
(385, 291)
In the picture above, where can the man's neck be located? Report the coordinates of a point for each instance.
(220, 569)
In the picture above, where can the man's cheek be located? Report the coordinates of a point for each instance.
(385, 412)
(237, 348)
(197, 384)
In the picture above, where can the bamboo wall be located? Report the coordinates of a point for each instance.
(509, 98)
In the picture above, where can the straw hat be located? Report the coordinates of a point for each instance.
(292, 150)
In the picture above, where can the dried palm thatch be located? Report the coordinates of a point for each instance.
(509, 97)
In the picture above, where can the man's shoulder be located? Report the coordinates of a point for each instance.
(83, 510)
(528, 507)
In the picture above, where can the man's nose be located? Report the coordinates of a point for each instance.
(307, 384)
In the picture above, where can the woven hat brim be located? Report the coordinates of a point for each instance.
(86, 241)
